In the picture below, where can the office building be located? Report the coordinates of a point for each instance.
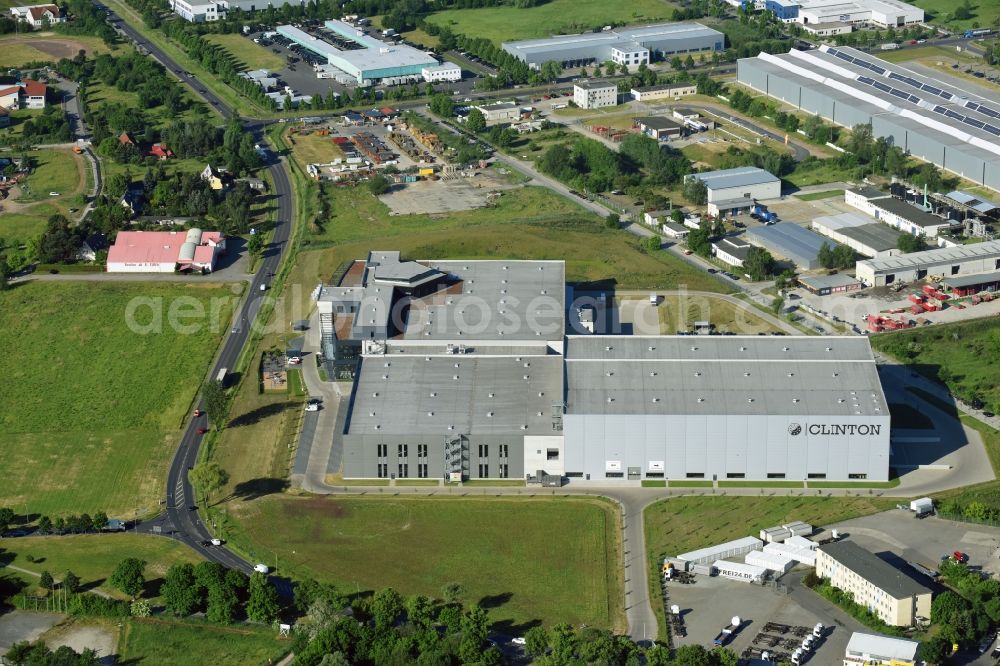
(593, 94)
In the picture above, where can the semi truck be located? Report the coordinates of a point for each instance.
(728, 632)
(979, 32)
(763, 214)
(890, 46)
(220, 378)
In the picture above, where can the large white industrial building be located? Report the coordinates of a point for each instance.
(945, 262)
(629, 46)
(465, 369)
(880, 13)
(935, 119)
(206, 11)
(732, 191)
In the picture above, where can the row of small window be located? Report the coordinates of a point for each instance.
(403, 471)
(701, 475)
(403, 450)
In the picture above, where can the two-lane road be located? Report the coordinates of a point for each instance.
(181, 520)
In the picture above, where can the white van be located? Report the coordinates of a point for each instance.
(261, 568)
(654, 299)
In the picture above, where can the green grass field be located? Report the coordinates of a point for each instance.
(21, 49)
(817, 196)
(55, 171)
(682, 524)
(93, 557)
(953, 354)
(551, 560)
(93, 409)
(984, 12)
(760, 484)
(253, 56)
(25, 216)
(556, 17)
(528, 223)
(154, 641)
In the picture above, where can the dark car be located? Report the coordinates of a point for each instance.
(712, 270)
(989, 415)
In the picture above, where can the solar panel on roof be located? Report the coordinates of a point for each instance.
(898, 93)
(974, 122)
(866, 80)
(946, 94)
(939, 109)
(988, 112)
(992, 130)
(952, 114)
(876, 68)
(931, 89)
(914, 99)
(881, 86)
(973, 106)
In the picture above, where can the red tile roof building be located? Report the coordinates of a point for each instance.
(165, 251)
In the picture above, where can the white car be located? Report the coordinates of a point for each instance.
(294, 360)
(261, 568)
(53, 194)
(518, 641)
(312, 407)
(216, 542)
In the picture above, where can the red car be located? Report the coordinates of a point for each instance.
(960, 556)
(202, 430)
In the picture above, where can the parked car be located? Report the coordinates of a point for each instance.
(989, 415)
(201, 430)
(959, 556)
(261, 568)
(312, 407)
(216, 542)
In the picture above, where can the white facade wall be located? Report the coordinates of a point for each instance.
(669, 93)
(140, 267)
(587, 97)
(769, 190)
(630, 57)
(770, 561)
(860, 202)
(444, 72)
(537, 450)
(196, 12)
(720, 445)
(746, 573)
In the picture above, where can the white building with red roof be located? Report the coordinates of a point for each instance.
(165, 251)
(37, 15)
(27, 94)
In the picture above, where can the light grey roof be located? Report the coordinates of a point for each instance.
(817, 282)
(497, 300)
(659, 122)
(938, 255)
(658, 32)
(738, 177)
(869, 192)
(789, 240)
(841, 221)
(376, 55)
(733, 246)
(595, 84)
(877, 236)
(665, 86)
(497, 106)
(911, 213)
(676, 228)
(878, 572)
(971, 280)
(973, 201)
(883, 648)
(412, 395)
(722, 375)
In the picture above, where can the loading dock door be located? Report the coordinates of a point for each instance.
(634, 473)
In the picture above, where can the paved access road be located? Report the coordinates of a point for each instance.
(181, 520)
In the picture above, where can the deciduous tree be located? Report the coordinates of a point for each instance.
(129, 576)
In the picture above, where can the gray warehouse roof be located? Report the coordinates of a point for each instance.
(879, 237)
(790, 240)
(938, 255)
(712, 375)
(456, 394)
(878, 572)
(630, 36)
(819, 282)
(738, 177)
(595, 84)
(658, 123)
(960, 281)
(869, 192)
(911, 213)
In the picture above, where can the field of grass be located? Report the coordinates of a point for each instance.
(681, 524)
(528, 223)
(93, 557)
(679, 314)
(18, 228)
(817, 196)
(693, 483)
(149, 641)
(21, 49)
(952, 354)
(550, 560)
(55, 171)
(419, 36)
(245, 51)
(92, 409)
(313, 149)
(984, 12)
(499, 24)
(816, 174)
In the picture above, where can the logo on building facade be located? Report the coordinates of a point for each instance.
(835, 429)
(794, 429)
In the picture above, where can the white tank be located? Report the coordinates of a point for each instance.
(736, 621)
(835, 535)
(675, 610)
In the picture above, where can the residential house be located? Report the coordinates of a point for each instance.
(37, 16)
(93, 244)
(256, 184)
(126, 139)
(34, 94)
(132, 200)
(10, 97)
(217, 179)
(161, 152)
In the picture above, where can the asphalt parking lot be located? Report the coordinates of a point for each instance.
(898, 537)
(20, 626)
(709, 604)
